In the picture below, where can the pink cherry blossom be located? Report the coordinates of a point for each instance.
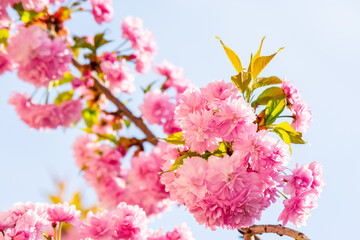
(48, 116)
(259, 151)
(189, 102)
(71, 111)
(300, 180)
(5, 20)
(297, 208)
(156, 107)
(190, 185)
(119, 76)
(174, 76)
(40, 59)
(142, 42)
(318, 180)
(199, 132)
(292, 94)
(302, 115)
(6, 63)
(102, 10)
(63, 212)
(234, 118)
(218, 91)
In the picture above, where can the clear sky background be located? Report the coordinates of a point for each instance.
(321, 57)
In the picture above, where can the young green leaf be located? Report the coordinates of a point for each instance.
(127, 123)
(260, 63)
(99, 40)
(269, 93)
(234, 59)
(4, 34)
(68, 77)
(90, 116)
(288, 134)
(63, 97)
(242, 81)
(261, 82)
(273, 109)
(175, 139)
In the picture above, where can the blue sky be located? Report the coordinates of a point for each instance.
(321, 57)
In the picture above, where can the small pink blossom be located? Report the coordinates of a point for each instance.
(199, 132)
(5, 20)
(6, 63)
(46, 116)
(156, 107)
(297, 208)
(234, 118)
(119, 76)
(63, 212)
(292, 94)
(189, 102)
(174, 76)
(218, 91)
(300, 180)
(40, 59)
(302, 115)
(191, 185)
(71, 111)
(102, 10)
(142, 42)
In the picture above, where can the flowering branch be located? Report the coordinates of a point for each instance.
(150, 137)
(278, 229)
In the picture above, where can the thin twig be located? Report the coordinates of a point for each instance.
(150, 137)
(278, 229)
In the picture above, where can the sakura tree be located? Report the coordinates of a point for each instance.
(223, 150)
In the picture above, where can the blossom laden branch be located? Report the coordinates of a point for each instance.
(278, 229)
(150, 137)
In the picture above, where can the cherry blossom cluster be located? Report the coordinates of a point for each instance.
(113, 183)
(142, 41)
(48, 116)
(231, 171)
(158, 107)
(44, 221)
(298, 107)
(39, 58)
(305, 185)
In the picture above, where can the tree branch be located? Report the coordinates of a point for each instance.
(278, 229)
(150, 137)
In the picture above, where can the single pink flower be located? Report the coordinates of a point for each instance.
(156, 107)
(102, 10)
(63, 212)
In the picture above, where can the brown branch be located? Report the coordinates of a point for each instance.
(150, 137)
(278, 229)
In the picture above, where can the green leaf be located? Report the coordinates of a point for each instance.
(242, 81)
(99, 40)
(288, 134)
(4, 35)
(26, 16)
(127, 123)
(234, 59)
(260, 63)
(175, 139)
(108, 137)
(180, 160)
(269, 93)
(148, 87)
(63, 97)
(68, 77)
(261, 82)
(273, 109)
(90, 116)
(82, 43)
